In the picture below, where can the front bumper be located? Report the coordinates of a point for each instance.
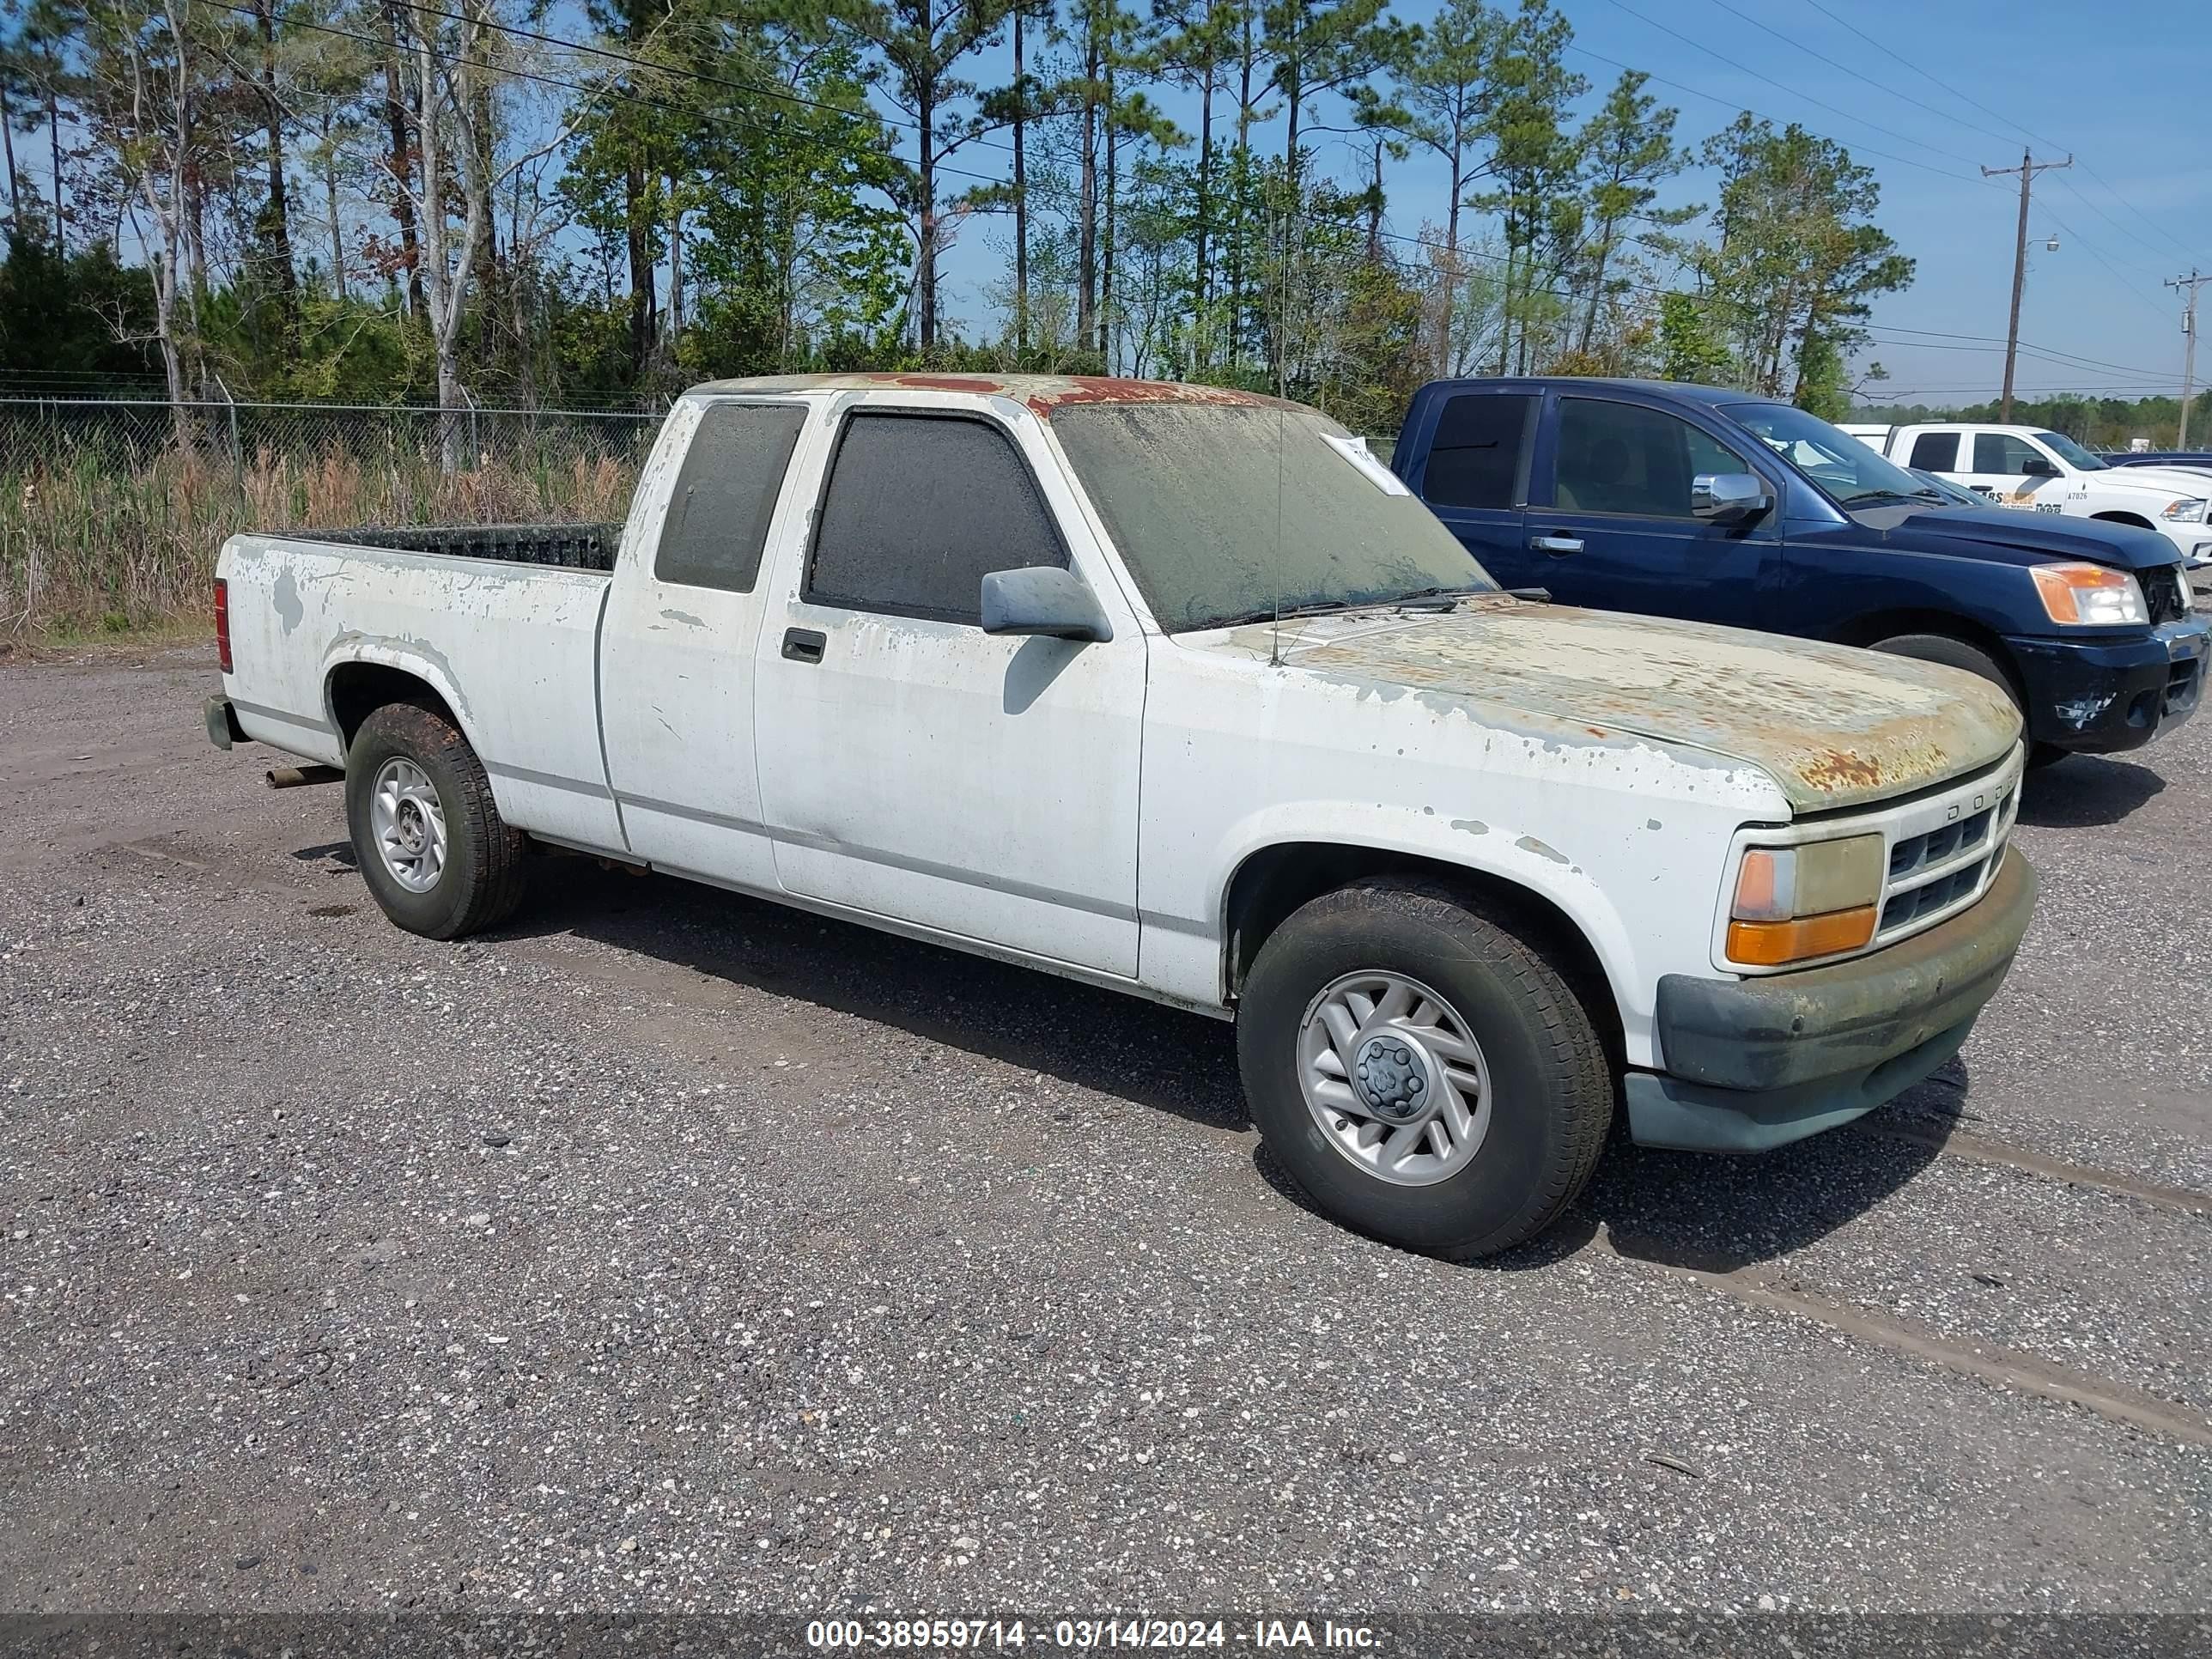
(1754, 1064)
(2098, 696)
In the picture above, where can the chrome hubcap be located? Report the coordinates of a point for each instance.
(409, 825)
(1393, 1078)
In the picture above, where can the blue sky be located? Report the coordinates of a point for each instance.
(2106, 81)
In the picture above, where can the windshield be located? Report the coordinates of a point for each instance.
(2073, 452)
(1847, 468)
(1227, 512)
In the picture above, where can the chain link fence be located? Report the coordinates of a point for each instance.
(111, 510)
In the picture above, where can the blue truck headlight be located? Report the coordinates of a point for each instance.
(2089, 595)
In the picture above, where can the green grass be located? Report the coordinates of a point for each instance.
(89, 546)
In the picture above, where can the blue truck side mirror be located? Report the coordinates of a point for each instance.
(1729, 497)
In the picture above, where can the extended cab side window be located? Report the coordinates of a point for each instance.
(918, 509)
(725, 494)
(1621, 458)
(1935, 452)
(2004, 453)
(1475, 459)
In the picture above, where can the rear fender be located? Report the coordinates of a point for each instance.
(413, 657)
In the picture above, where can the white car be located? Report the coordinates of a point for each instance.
(1176, 690)
(2040, 471)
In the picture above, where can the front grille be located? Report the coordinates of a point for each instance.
(1925, 900)
(2166, 593)
(1942, 867)
(1917, 851)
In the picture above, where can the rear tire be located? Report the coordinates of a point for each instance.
(432, 847)
(1480, 1106)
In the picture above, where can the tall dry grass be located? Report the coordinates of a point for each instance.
(88, 543)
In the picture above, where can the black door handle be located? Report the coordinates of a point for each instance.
(803, 644)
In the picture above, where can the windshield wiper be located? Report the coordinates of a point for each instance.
(1868, 497)
(1426, 597)
(1419, 599)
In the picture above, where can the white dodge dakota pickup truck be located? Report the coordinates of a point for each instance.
(1177, 690)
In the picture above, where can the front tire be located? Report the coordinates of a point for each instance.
(1421, 1071)
(1956, 653)
(432, 847)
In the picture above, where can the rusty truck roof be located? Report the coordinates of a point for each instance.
(1043, 393)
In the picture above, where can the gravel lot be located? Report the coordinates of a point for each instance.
(671, 1251)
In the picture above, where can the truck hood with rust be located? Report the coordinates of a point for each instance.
(1833, 727)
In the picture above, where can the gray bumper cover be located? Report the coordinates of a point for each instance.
(1756, 1063)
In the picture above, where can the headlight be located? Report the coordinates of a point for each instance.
(1794, 903)
(2190, 509)
(2088, 595)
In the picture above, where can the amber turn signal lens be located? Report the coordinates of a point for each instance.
(2088, 594)
(1772, 943)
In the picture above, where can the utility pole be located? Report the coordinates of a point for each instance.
(2028, 167)
(2188, 285)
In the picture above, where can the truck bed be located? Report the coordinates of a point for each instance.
(567, 546)
(501, 621)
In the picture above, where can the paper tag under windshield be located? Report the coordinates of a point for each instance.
(1355, 450)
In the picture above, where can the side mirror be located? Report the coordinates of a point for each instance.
(1042, 600)
(2036, 467)
(1729, 497)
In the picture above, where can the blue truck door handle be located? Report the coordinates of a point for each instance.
(1556, 545)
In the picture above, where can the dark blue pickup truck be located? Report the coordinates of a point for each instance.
(1722, 507)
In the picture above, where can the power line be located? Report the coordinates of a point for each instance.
(1620, 6)
(1890, 51)
(1895, 56)
(871, 115)
(1844, 114)
(2091, 249)
(767, 89)
(1789, 40)
(610, 89)
(2145, 388)
(2138, 212)
(2044, 353)
(2067, 185)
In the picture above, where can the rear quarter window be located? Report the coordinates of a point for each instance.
(725, 492)
(1936, 452)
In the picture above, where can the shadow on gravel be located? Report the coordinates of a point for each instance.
(2087, 792)
(1116, 1044)
(1719, 1214)
(1686, 1210)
